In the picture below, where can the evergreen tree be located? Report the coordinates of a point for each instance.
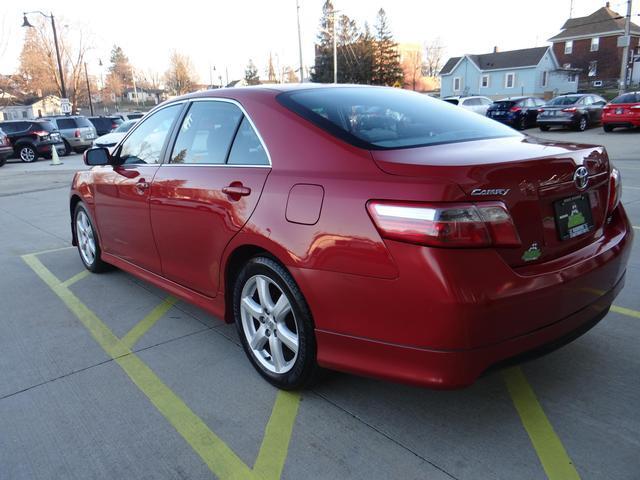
(323, 68)
(386, 65)
(348, 61)
(364, 51)
(251, 74)
(120, 67)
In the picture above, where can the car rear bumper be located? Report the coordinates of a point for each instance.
(621, 122)
(550, 122)
(45, 148)
(465, 315)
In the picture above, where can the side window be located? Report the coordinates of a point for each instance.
(206, 133)
(144, 145)
(9, 127)
(247, 148)
(587, 100)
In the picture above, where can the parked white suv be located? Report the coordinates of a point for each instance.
(476, 104)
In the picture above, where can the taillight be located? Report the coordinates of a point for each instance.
(569, 110)
(40, 133)
(615, 190)
(540, 110)
(114, 126)
(77, 133)
(452, 225)
(515, 109)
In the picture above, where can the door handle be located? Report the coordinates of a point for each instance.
(141, 186)
(236, 190)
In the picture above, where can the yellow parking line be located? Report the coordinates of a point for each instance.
(555, 461)
(274, 448)
(215, 453)
(625, 311)
(132, 337)
(76, 278)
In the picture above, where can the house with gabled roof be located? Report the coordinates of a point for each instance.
(590, 44)
(529, 71)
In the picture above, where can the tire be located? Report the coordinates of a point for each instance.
(67, 149)
(607, 128)
(27, 154)
(289, 370)
(3, 160)
(544, 128)
(583, 124)
(85, 233)
(522, 123)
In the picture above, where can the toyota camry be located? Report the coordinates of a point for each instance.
(369, 230)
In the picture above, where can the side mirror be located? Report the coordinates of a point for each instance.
(97, 156)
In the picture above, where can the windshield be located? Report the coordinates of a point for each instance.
(569, 100)
(125, 126)
(388, 118)
(627, 98)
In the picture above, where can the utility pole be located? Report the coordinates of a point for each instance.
(86, 76)
(625, 50)
(335, 49)
(299, 42)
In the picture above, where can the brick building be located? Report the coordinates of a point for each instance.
(591, 44)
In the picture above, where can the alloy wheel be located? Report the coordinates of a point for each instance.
(27, 154)
(269, 324)
(86, 241)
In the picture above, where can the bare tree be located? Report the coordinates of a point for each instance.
(179, 78)
(434, 53)
(412, 66)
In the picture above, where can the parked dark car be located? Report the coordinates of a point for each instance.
(5, 148)
(124, 116)
(579, 111)
(622, 111)
(104, 125)
(77, 132)
(517, 112)
(33, 138)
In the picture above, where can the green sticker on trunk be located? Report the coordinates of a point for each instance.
(532, 253)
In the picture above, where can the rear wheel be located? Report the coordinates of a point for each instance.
(607, 128)
(544, 128)
(274, 324)
(87, 241)
(67, 148)
(27, 153)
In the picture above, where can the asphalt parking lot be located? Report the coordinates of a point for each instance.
(105, 376)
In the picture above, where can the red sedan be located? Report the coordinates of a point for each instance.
(622, 111)
(364, 229)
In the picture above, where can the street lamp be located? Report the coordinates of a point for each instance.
(25, 23)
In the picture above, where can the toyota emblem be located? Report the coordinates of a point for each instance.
(581, 178)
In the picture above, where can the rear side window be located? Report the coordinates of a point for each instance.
(206, 133)
(247, 148)
(390, 118)
(9, 127)
(627, 98)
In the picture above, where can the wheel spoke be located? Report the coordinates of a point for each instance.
(92, 247)
(281, 308)
(252, 308)
(277, 357)
(263, 293)
(287, 337)
(259, 338)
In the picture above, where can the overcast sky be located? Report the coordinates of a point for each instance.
(225, 34)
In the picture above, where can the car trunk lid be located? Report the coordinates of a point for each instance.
(530, 176)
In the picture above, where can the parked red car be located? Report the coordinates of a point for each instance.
(365, 229)
(622, 111)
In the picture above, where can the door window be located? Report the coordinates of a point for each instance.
(206, 133)
(145, 143)
(247, 148)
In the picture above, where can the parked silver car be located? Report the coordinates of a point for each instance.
(77, 132)
(476, 104)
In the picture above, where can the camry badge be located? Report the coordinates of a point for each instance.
(581, 178)
(532, 253)
(490, 191)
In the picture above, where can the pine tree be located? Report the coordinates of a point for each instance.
(323, 68)
(120, 67)
(386, 66)
(251, 74)
(364, 50)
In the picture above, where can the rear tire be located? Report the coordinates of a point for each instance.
(544, 128)
(522, 123)
(67, 149)
(27, 154)
(274, 324)
(3, 160)
(87, 240)
(607, 128)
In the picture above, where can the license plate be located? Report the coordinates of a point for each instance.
(573, 216)
(90, 136)
(618, 111)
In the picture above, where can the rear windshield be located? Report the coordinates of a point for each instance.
(83, 122)
(389, 118)
(504, 104)
(44, 125)
(570, 100)
(627, 98)
(452, 101)
(132, 116)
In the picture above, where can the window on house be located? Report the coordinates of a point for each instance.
(593, 68)
(456, 84)
(568, 47)
(571, 77)
(595, 44)
(545, 78)
(484, 81)
(509, 80)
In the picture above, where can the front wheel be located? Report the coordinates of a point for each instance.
(544, 128)
(27, 154)
(87, 240)
(582, 124)
(274, 324)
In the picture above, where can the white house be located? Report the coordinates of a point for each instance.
(530, 71)
(28, 109)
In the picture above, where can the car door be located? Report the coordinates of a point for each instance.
(596, 108)
(122, 192)
(207, 191)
